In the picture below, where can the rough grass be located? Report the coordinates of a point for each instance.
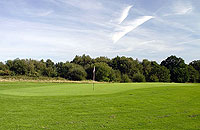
(40, 79)
(69, 106)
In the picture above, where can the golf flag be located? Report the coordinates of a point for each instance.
(93, 77)
(94, 74)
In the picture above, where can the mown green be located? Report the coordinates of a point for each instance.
(111, 106)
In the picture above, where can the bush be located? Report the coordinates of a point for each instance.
(103, 72)
(154, 78)
(138, 78)
(5, 73)
(76, 72)
(125, 79)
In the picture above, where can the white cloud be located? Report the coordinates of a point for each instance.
(86, 4)
(125, 13)
(61, 29)
(45, 13)
(180, 8)
(37, 13)
(122, 31)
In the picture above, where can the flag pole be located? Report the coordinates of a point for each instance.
(93, 77)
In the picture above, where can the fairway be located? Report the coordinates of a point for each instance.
(113, 106)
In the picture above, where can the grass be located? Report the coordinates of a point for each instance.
(114, 106)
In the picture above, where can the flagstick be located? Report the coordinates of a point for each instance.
(93, 77)
(93, 85)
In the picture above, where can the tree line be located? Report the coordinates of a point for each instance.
(118, 69)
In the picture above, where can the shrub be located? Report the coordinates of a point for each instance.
(76, 72)
(138, 78)
(125, 78)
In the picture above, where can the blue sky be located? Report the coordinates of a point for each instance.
(61, 29)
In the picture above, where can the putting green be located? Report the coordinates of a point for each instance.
(78, 89)
(111, 106)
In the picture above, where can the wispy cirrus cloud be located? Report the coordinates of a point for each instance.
(123, 30)
(86, 4)
(38, 13)
(180, 8)
(125, 13)
(60, 29)
(45, 13)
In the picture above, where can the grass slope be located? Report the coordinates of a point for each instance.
(65, 106)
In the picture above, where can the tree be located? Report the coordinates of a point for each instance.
(159, 73)
(50, 69)
(125, 78)
(39, 67)
(49, 72)
(116, 76)
(60, 69)
(89, 70)
(70, 71)
(154, 72)
(76, 72)
(102, 59)
(196, 65)
(82, 60)
(49, 63)
(19, 67)
(146, 69)
(193, 74)
(2, 66)
(9, 64)
(138, 78)
(178, 69)
(103, 72)
(31, 68)
(163, 74)
(153, 78)
(126, 65)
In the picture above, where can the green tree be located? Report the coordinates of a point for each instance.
(102, 59)
(112, 75)
(82, 60)
(31, 68)
(178, 69)
(3, 66)
(71, 71)
(50, 69)
(76, 72)
(126, 65)
(159, 73)
(196, 65)
(138, 78)
(154, 78)
(39, 67)
(163, 74)
(49, 63)
(117, 76)
(89, 70)
(103, 72)
(19, 67)
(125, 78)
(193, 74)
(147, 69)
(60, 69)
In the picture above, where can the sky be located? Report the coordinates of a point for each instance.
(61, 29)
